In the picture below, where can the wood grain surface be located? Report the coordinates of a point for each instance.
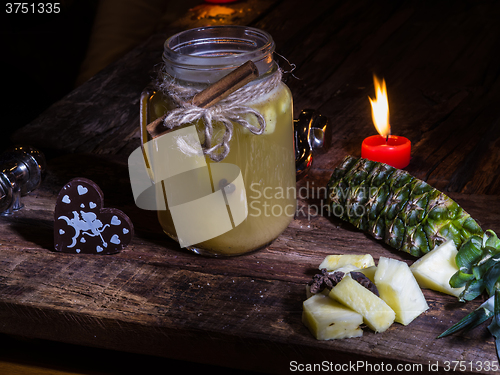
(245, 312)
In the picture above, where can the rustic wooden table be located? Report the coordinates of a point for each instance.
(441, 65)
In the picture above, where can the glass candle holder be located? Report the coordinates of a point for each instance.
(254, 182)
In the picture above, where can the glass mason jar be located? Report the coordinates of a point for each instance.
(265, 163)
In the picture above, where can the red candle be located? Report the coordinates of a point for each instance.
(389, 149)
(394, 150)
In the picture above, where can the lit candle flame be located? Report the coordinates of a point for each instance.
(380, 108)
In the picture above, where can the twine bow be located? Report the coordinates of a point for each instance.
(227, 111)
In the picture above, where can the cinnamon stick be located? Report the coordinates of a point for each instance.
(213, 94)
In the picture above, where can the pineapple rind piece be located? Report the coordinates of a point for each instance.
(377, 315)
(434, 269)
(393, 206)
(327, 319)
(399, 289)
(333, 262)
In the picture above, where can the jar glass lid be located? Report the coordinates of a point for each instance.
(206, 54)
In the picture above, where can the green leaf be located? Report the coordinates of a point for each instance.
(470, 252)
(470, 321)
(494, 327)
(491, 279)
(491, 239)
(460, 279)
(490, 250)
(484, 265)
(473, 289)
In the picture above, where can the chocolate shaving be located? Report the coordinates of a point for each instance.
(365, 281)
(328, 280)
(324, 280)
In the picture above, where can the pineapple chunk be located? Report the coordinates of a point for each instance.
(376, 313)
(434, 269)
(328, 319)
(332, 262)
(399, 289)
(346, 268)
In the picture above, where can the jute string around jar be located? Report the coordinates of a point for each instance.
(227, 111)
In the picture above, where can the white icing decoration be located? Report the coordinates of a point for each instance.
(90, 225)
(66, 199)
(125, 230)
(77, 250)
(99, 248)
(83, 240)
(82, 190)
(61, 231)
(82, 205)
(115, 239)
(92, 205)
(115, 220)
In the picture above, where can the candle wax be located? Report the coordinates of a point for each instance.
(394, 151)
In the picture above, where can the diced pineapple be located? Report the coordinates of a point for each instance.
(434, 269)
(376, 313)
(332, 262)
(327, 319)
(399, 289)
(346, 269)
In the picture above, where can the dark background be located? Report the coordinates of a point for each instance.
(40, 59)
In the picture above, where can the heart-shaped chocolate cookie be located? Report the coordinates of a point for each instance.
(83, 226)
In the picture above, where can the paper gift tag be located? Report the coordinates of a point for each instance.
(83, 226)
